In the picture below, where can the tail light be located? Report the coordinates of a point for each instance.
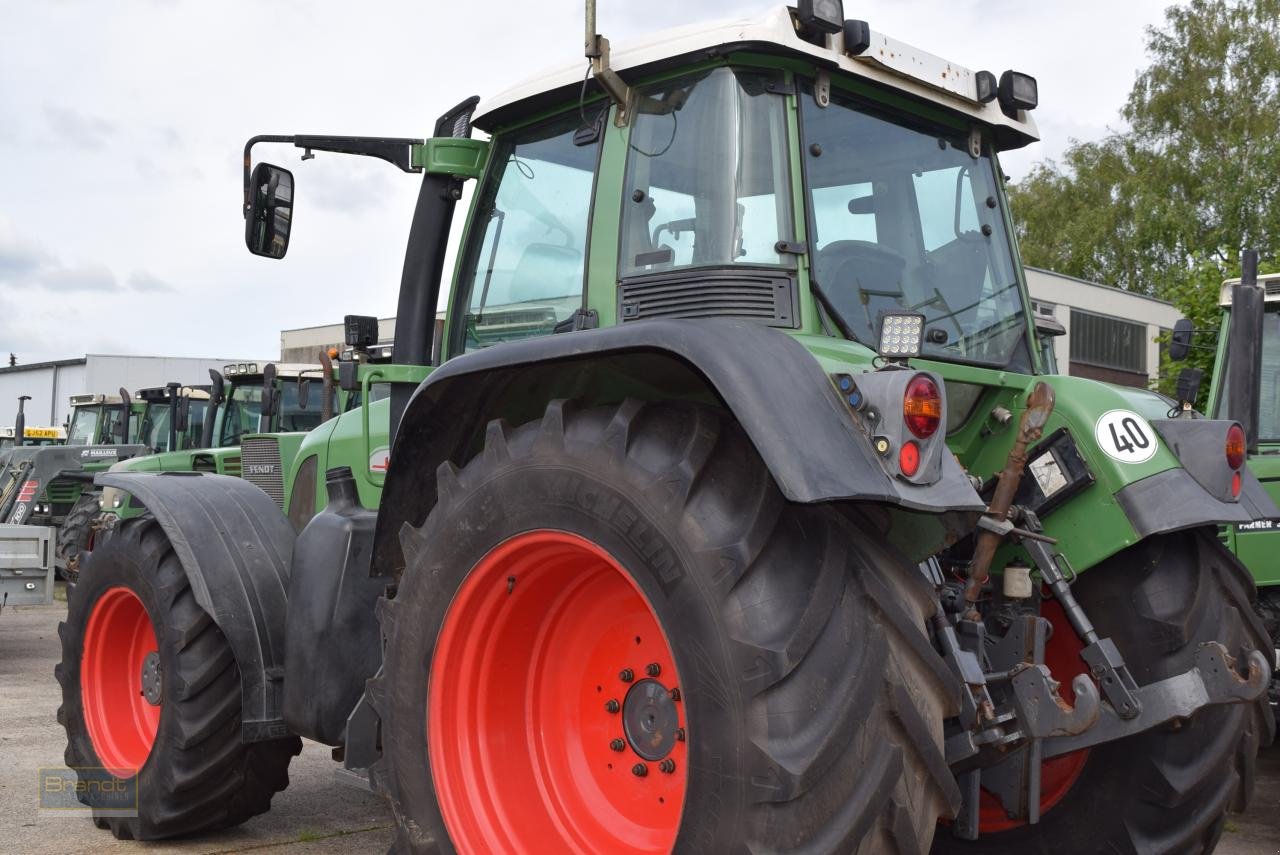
(922, 406)
(1235, 446)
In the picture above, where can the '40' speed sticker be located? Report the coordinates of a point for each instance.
(1126, 436)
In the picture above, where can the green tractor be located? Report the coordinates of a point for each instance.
(1242, 364)
(201, 430)
(737, 514)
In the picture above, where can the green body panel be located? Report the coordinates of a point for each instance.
(464, 158)
(1258, 550)
(359, 439)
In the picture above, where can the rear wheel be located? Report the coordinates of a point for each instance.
(614, 635)
(76, 536)
(150, 687)
(1167, 790)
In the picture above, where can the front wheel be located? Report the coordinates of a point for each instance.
(76, 536)
(614, 635)
(1167, 790)
(150, 689)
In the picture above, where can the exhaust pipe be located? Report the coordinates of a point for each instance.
(211, 411)
(20, 422)
(1244, 350)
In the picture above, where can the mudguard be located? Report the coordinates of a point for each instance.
(771, 383)
(236, 546)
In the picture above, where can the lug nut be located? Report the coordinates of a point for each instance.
(679, 734)
(639, 770)
(675, 694)
(611, 705)
(617, 745)
(653, 669)
(667, 766)
(626, 675)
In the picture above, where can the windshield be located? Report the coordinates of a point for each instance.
(84, 423)
(154, 432)
(240, 413)
(904, 219)
(704, 169)
(523, 270)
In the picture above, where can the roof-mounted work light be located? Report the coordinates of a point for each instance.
(1018, 91)
(987, 86)
(821, 16)
(901, 335)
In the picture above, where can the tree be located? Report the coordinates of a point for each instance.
(1164, 206)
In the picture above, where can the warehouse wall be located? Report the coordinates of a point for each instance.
(51, 387)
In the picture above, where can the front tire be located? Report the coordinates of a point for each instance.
(810, 703)
(132, 618)
(1167, 790)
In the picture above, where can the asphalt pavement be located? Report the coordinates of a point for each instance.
(315, 814)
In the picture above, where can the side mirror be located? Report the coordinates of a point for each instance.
(270, 213)
(183, 416)
(304, 392)
(1180, 342)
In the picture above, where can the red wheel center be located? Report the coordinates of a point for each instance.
(119, 645)
(555, 722)
(1057, 774)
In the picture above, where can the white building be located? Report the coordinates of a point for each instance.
(51, 384)
(1110, 333)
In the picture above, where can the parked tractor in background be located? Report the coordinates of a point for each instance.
(47, 484)
(739, 514)
(1256, 542)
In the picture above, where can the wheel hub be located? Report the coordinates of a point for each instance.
(152, 678)
(650, 719)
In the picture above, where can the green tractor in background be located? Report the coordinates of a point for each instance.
(1248, 361)
(738, 512)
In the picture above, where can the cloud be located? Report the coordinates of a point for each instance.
(81, 129)
(142, 280)
(91, 277)
(19, 256)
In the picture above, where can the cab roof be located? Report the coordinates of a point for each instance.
(1270, 283)
(887, 61)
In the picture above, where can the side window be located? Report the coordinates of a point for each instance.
(524, 266)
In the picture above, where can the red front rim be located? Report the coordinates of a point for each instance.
(1058, 774)
(538, 741)
(122, 723)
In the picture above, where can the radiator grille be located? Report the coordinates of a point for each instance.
(260, 463)
(767, 298)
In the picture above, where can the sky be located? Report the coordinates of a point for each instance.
(122, 124)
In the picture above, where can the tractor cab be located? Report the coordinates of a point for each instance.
(98, 420)
(294, 411)
(173, 417)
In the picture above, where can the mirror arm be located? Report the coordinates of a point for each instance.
(398, 151)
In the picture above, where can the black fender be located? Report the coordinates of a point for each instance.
(236, 547)
(772, 385)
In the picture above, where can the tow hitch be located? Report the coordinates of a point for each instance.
(1012, 716)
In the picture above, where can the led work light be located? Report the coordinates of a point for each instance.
(823, 16)
(1018, 91)
(901, 335)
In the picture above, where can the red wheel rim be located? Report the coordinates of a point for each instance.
(122, 723)
(521, 732)
(1057, 774)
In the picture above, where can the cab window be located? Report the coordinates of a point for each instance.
(524, 268)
